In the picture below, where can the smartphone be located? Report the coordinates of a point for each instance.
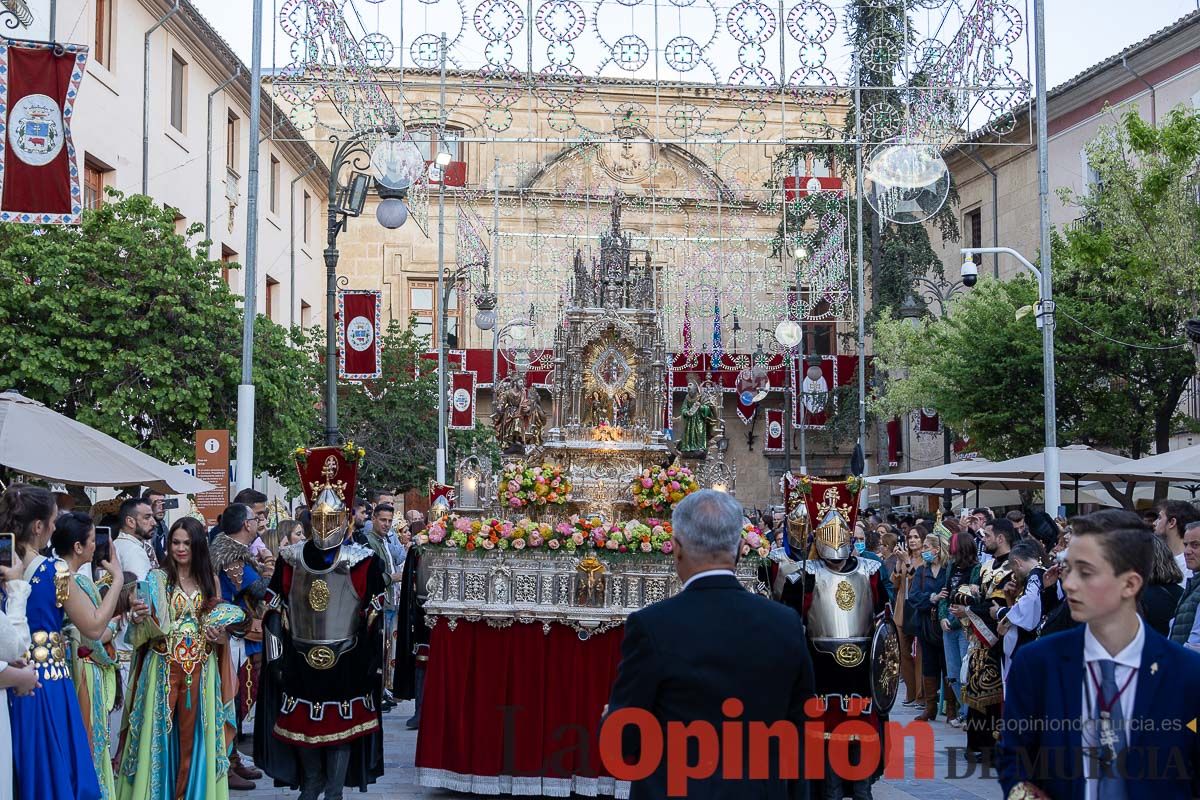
(103, 544)
(171, 504)
(8, 543)
(144, 594)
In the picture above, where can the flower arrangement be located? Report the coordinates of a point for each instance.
(660, 489)
(352, 453)
(572, 535)
(522, 486)
(854, 483)
(753, 541)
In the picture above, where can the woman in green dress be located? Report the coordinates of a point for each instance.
(179, 723)
(93, 662)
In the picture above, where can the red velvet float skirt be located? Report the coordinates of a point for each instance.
(516, 710)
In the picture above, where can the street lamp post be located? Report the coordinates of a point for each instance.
(1045, 321)
(788, 333)
(346, 201)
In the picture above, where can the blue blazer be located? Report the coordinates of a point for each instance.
(1042, 741)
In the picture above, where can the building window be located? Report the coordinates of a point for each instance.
(231, 142)
(178, 91)
(305, 315)
(274, 185)
(307, 211)
(1088, 173)
(102, 52)
(229, 262)
(430, 143)
(94, 180)
(973, 224)
(423, 306)
(272, 298)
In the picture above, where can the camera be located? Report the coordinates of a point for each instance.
(970, 273)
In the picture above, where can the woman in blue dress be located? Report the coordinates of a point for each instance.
(51, 755)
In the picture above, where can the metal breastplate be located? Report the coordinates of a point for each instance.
(843, 608)
(323, 606)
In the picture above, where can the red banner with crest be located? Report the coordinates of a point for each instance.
(462, 400)
(39, 173)
(359, 330)
(775, 433)
(316, 465)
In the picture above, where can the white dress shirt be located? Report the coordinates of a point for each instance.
(1128, 661)
(132, 555)
(707, 574)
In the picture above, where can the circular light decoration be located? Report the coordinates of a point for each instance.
(906, 182)
(397, 163)
(788, 333)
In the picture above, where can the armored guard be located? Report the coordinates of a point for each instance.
(852, 639)
(319, 724)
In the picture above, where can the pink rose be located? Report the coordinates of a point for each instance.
(754, 540)
(462, 524)
(506, 530)
(647, 547)
(518, 544)
(647, 483)
(577, 538)
(674, 486)
(671, 471)
(552, 544)
(612, 544)
(667, 547)
(436, 535)
(514, 486)
(535, 540)
(563, 528)
(515, 502)
(488, 544)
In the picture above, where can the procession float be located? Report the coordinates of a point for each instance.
(529, 578)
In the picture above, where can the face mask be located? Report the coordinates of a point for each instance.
(860, 546)
(927, 557)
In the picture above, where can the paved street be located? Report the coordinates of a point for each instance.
(400, 745)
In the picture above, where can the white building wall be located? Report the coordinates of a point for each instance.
(108, 132)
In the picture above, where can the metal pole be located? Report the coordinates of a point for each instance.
(441, 281)
(146, 96)
(331, 260)
(496, 275)
(862, 324)
(208, 160)
(947, 438)
(787, 425)
(245, 410)
(54, 18)
(1050, 469)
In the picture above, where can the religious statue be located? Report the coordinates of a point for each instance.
(506, 414)
(533, 419)
(623, 409)
(699, 419)
(599, 411)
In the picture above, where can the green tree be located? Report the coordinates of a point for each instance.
(395, 418)
(122, 324)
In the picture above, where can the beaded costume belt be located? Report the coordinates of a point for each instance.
(48, 655)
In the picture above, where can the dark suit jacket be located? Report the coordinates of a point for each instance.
(1045, 693)
(683, 657)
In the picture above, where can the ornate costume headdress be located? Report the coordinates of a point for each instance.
(328, 476)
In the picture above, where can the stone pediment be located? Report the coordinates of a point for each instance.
(633, 166)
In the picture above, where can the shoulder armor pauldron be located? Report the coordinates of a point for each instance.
(353, 553)
(292, 553)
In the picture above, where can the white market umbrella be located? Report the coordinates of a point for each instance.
(1176, 466)
(961, 475)
(41, 443)
(1076, 462)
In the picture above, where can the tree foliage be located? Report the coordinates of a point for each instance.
(395, 418)
(124, 325)
(1125, 281)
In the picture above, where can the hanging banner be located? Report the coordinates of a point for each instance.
(774, 441)
(815, 380)
(895, 442)
(39, 174)
(462, 400)
(928, 422)
(358, 335)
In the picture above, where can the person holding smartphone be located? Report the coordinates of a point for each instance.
(180, 748)
(52, 761)
(15, 673)
(93, 659)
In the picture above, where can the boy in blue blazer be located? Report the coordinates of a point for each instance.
(1107, 710)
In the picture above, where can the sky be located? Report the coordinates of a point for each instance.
(1079, 33)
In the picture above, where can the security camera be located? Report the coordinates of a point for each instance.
(970, 273)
